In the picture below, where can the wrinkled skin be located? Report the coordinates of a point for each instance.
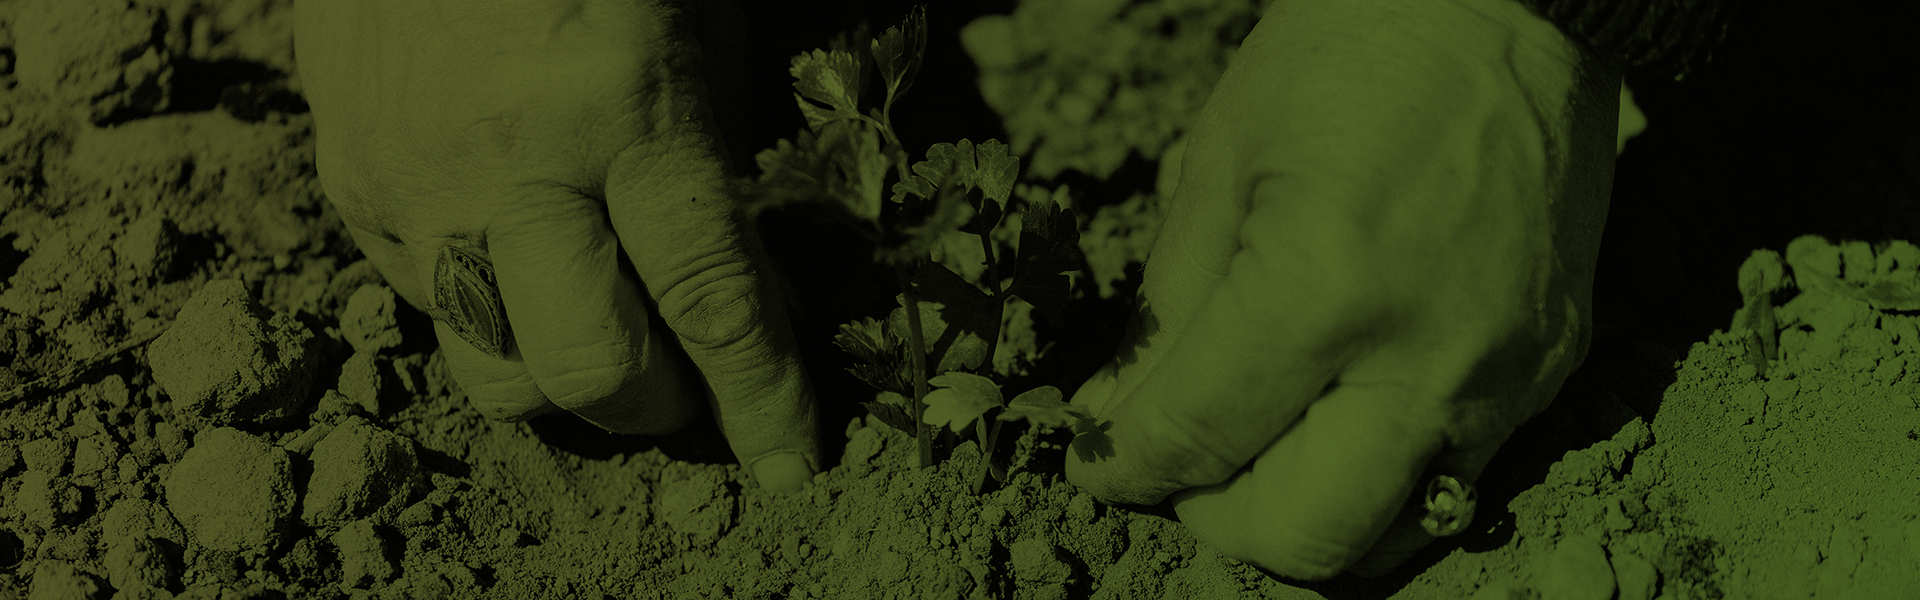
(574, 141)
(1378, 261)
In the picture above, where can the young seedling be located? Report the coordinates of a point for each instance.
(947, 327)
(964, 399)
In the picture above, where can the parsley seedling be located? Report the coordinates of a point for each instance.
(946, 329)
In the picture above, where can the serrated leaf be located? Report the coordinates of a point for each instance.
(960, 399)
(898, 53)
(865, 339)
(841, 164)
(996, 170)
(1043, 406)
(948, 164)
(817, 117)
(893, 409)
(987, 217)
(1049, 247)
(931, 325)
(830, 77)
(879, 360)
(920, 224)
(969, 316)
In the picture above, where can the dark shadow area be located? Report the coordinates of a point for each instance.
(200, 85)
(12, 550)
(10, 259)
(834, 281)
(1136, 175)
(944, 104)
(255, 102)
(195, 250)
(1803, 123)
(700, 443)
(443, 463)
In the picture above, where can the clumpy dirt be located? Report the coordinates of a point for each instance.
(293, 432)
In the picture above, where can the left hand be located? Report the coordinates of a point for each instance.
(572, 144)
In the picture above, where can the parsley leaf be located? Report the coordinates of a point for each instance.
(995, 170)
(898, 51)
(893, 409)
(830, 77)
(962, 397)
(840, 164)
(880, 357)
(1043, 406)
(1049, 247)
(920, 224)
(969, 315)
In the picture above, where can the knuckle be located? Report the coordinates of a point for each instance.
(715, 310)
(576, 376)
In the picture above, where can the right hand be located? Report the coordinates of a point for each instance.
(572, 142)
(1378, 261)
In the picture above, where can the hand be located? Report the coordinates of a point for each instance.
(562, 137)
(1378, 261)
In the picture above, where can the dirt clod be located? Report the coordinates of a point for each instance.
(363, 380)
(142, 592)
(74, 51)
(697, 506)
(57, 580)
(232, 492)
(148, 249)
(367, 322)
(1037, 560)
(1636, 578)
(46, 500)
(361, 471)
(137, 560)
(229, 360)
(1577, 569)
(363, 551)
(130, 517)
(48, 455)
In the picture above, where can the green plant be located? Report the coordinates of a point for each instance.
(946, 328)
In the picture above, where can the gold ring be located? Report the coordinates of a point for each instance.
(466, 297)
(1449, 503)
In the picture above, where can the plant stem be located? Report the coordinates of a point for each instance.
(988, 442)
(999, 298)
(885, 125)
(917, 357)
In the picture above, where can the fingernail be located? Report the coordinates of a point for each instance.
(782, 471)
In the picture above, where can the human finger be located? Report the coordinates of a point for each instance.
(580, 321)
(1316, 501)
(500, 389)
(703, 265)
(1254, 356)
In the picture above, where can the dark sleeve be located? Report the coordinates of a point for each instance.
(1671, 36)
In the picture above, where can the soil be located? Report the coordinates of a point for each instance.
(1747, 425)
